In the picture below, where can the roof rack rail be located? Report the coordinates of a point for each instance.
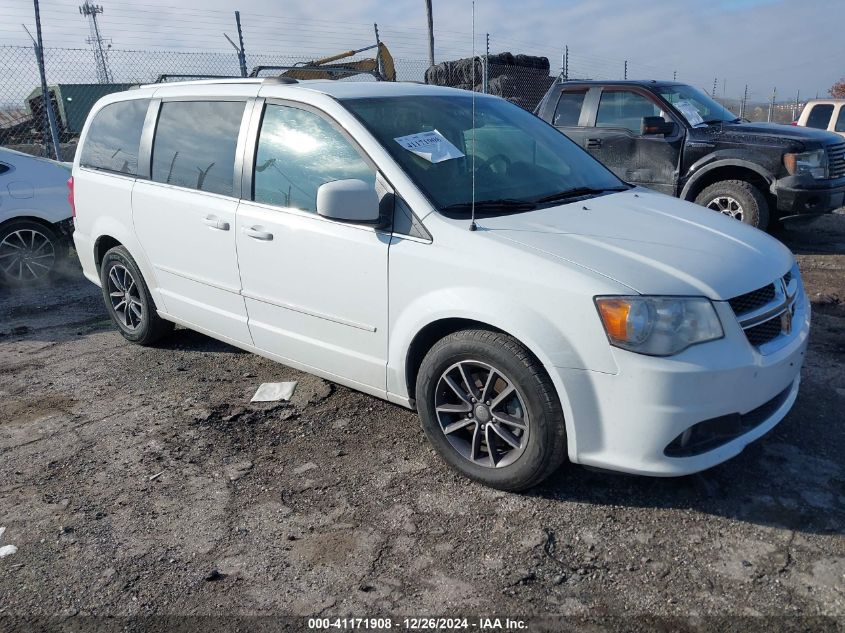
(280, 80)
(164, 78)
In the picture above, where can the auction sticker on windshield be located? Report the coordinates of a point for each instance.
(689, 111)
(432, 146)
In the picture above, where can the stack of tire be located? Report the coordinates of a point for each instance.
(521, 79)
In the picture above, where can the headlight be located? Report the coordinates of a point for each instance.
(813, 163)
(658, 326)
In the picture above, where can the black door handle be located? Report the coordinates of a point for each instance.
(593, 143)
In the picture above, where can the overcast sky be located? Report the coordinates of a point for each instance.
(764, 43)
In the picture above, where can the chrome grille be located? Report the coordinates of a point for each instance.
(763, 333)
(753, 300)
(766, 314)
(836, 160)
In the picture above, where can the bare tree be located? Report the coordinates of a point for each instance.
(430, 32)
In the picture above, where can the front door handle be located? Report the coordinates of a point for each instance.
(593, 143)
(216, 223)
(258, 233)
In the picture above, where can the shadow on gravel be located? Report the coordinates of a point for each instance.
(771, 483)
(184, 340)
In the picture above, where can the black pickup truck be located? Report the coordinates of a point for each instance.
(675, 139)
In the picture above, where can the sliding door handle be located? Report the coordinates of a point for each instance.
(216, 223)
(258, 233)
(593, 143)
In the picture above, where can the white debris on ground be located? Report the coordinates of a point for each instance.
(274, 391)
(6, 550)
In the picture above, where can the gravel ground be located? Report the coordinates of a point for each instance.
(141, 482)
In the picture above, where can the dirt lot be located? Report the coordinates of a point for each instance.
(140, 481)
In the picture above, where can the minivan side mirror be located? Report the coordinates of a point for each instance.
(655, 125)
(349, 200)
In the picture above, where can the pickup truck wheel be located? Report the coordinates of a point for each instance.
(29, 252)
(738, 199)
(128, 299)
(489, 408)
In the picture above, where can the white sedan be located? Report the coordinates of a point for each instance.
(35, 216)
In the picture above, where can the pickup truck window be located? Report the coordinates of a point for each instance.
(690, 101)
(568, 109)
(625, 109)
(840, 120)
(820, 116)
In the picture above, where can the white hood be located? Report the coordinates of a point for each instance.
(652, 243)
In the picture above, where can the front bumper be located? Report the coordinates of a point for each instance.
(802, 195)
(627, 420)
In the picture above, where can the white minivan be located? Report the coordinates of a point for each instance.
(448, 252)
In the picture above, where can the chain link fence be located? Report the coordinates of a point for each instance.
(73, 85)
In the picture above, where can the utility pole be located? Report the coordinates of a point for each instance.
(626, 69)
(91, 11)
(566, 65)
(795, 109)
(45, 93)
(744, 101)
(486, 75)
(674, 75)
(715, 81)
(430, 17)
(772, 103)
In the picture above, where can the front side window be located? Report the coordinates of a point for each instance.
(195, 143)
(114, 137)
(695, 106)
(511, 156)
(840, 120)
(625, 109)
(297, 152)
(820, 116)
(568, 109)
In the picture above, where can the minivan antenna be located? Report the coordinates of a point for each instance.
(472, 224)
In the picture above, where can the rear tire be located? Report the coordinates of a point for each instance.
(29, 252)
(511, 436)
(128, 300)
(738, 199)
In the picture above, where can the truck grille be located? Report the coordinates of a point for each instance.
(836, 160)
(762, 313)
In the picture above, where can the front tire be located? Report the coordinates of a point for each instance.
(737, 199)
(128, 299)
(490, 410)
(29, 252)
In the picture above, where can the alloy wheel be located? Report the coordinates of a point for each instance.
(726, 205)
(482, 414)
(125, 297)
(27, 255)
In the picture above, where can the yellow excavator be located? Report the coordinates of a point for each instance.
(381, 66)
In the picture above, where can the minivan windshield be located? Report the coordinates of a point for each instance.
(695, 106)
(519, 161)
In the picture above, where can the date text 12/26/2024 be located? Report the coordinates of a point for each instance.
(497, 625)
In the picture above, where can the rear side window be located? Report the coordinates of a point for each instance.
(195, 143)
(625, 109)
(820, 116)
(840, 120)
(568, 109)
(114, 137)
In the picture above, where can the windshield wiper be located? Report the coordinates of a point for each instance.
(577, 192)
(500, 204)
